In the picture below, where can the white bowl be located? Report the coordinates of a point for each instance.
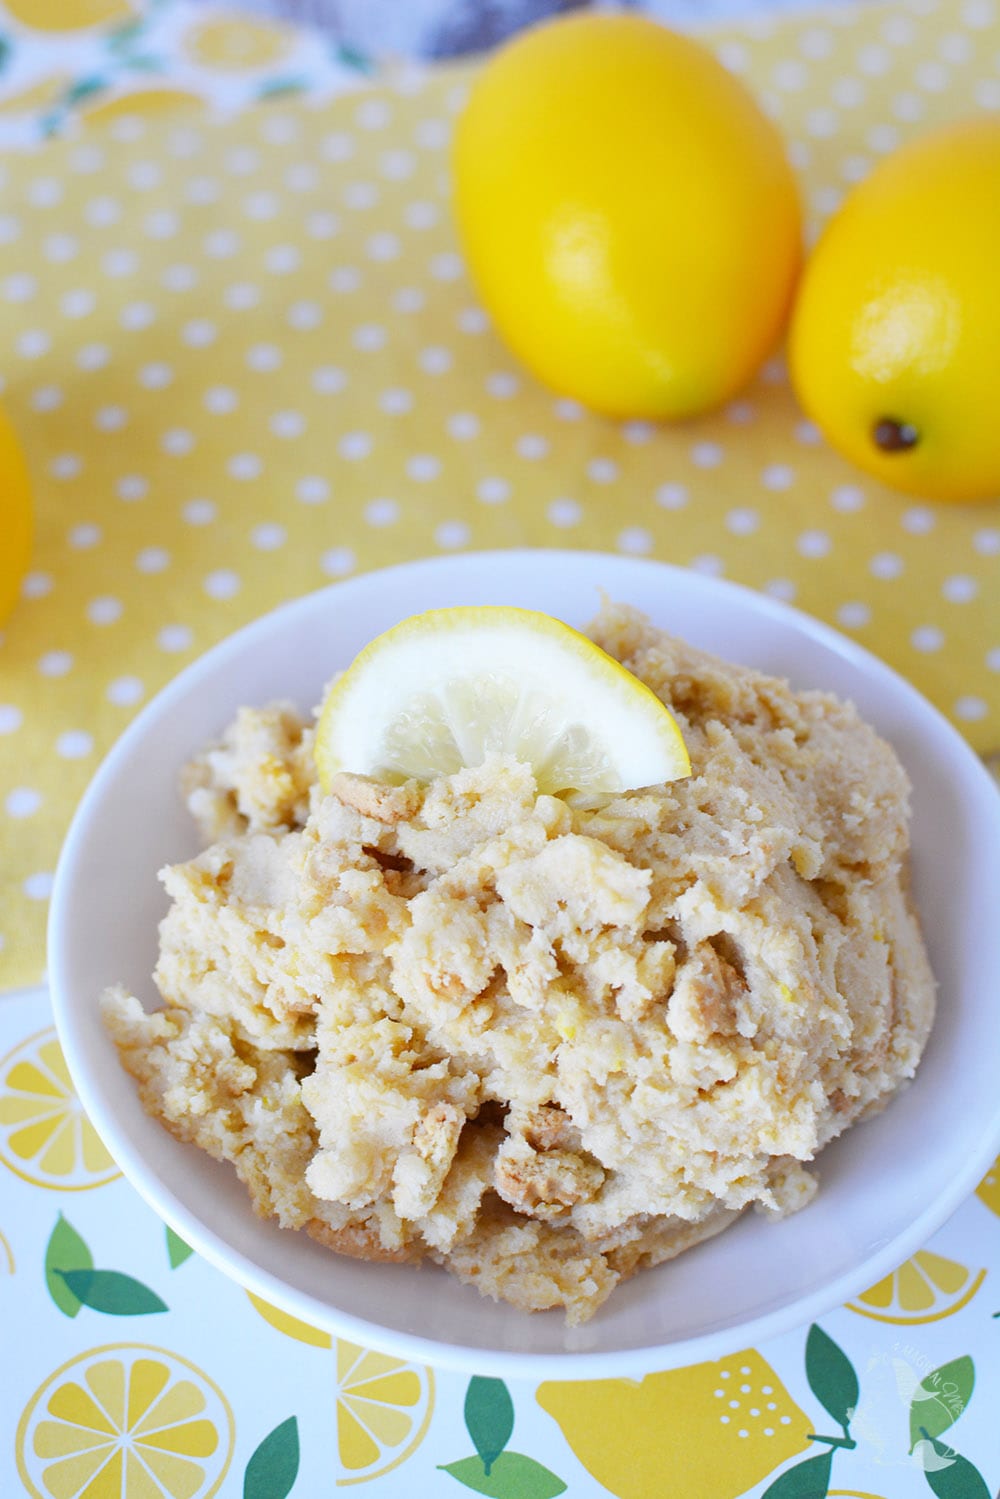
(885, 1186)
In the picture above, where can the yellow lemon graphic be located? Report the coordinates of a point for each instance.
(237, 43)
(140, 101)
(68, 15)
(6, 1257)
(36, 96)
(924, 1289)
(711, 1430)
(988, 1190)
(291, 1326)
(125, 1420)
(384, 1408)
(45, 1137)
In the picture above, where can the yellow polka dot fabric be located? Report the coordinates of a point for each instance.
(245, 361)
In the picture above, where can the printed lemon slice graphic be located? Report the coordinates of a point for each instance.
(6, 1257)
(45, 1137)
(924, 1289)
(125, 1420)
(444, 689)
(292, 1327)
(237, 43)
(988, 1190)
(712, 1430)
(384, 1408)
(69, 15)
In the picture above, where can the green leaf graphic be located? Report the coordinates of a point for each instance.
(940, 1398)
(66, 1250)
(177, 1250)
(808, 1480)
(956, 1478)
(110, 1291)
(273, 1468)
(489, 1416)
(831, 1376)
(513, 1476)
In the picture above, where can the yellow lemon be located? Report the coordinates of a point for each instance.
(384, 1408)
(895, 340)
(140, 101)
(69, 15)
(988, 1190)
(125, 1419)
(627, 213)
(292, 1327)
(924, 1289)
(15, 516)
(712, 1430)
(237, 43)
(45, 1137)
(444, 689)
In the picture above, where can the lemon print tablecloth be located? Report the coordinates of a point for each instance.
(244, 360)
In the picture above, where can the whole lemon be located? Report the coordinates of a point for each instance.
(15, 517)
(895, 342)
(627, 213)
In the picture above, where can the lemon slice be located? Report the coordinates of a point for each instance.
(443, 690)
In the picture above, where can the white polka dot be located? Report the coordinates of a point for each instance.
(221, 243)
(740, 413)
(242, 160)
(132, 487)
(19, 288)
(11, 718)
(262, 205)
(987, 542)
(602, 470)
(855, 168)
(110, 418)
(463, 426)
(75, 744)
(472, 320)
(287, 424)
(566, 410)
(66, 466)
(742, 522)
(637, 433)
(848, 92)
(395, 401)
(281, 260)
(199, 333)
(931, 76)
(446, 266)
(532, 446)
(813, 544)
(452, 533)
(799, 155)
(56, 663)
(711, 566)
(130, 127)
(337, 146)
(46, 398)
(790, 75)
(769, 1431)
(361, 195)
(786, 1420)
(22, 801)
(344, 279)
(423, 467)
(706, 454)
(36, 585)
(634, 540)
(874, 60)
(885, 565)
(778, 476)
(898, 30)
(220, 399)
(245, 466)
(60, 248)
(368, 337)
(152, 560)
(202, 190)
(84, 535)
(847, 498)
(826, 200)
(177, 441)
(125, 691)
(502, 385)
(431, 134)
(33, 343)
(993, 659)
(155, 376)
(987, 93)
(137, 316)
(221, 584)
(323, 225)
(493, 491)
(328, 380)
(268, 537)
(381, 512)
(45, 192)
(312, 489)
(780, 588)
(383, 247)
(264, 357)
(927, 638)
(671, 496)
(978, 14)
(279, 129)
(815, 43)
(564, 512)
(179, 277)
(970, 708)
(408, 299)
(354, 446)
(93, 356)
(373, 114)
(241, 296)
(919, 520)
(960, 589)
(397, 165)
(435, 360)
(301, 177)
(104, 610)
(733, 55)
(199, 512)
(38, 886)
(337, 561)
(163, 224)
(908, 107)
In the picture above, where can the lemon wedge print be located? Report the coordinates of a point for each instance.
(45, 1137)
(444, 689)
(924, 1289)
(384, 1408)
(713, 1430)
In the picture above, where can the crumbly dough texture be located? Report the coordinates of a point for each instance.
(540, 1041)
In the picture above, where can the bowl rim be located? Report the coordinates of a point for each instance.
(503, 1363)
